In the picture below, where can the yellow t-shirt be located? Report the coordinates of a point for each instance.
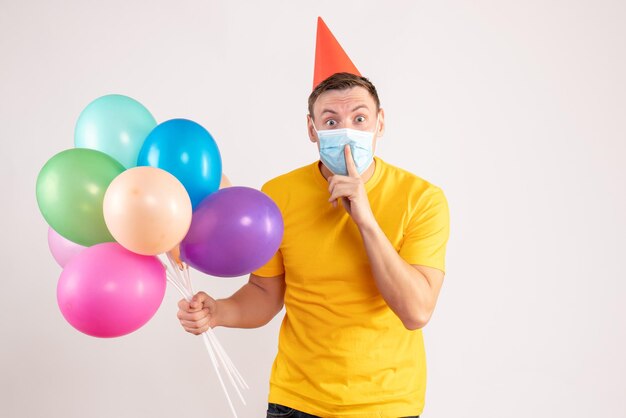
(342, 352)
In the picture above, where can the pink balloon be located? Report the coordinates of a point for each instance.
(62, 249)
(107, 291)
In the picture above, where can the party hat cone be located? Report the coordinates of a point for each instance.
(330, 58)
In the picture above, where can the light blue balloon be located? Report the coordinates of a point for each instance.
(188, 151)
(116, 125)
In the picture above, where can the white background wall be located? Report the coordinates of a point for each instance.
(516, 109)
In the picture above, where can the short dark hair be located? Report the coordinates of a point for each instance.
(342, 81)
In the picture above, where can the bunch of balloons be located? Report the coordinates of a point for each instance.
(132, 189)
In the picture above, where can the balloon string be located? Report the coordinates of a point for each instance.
(228, 363)
(182, 282)
(221, 353)
(219, 376)
(228, 372)
(178, 287)
(208, 347)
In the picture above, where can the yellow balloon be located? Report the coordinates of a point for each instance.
(147, 210)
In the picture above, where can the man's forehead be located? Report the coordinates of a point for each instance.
(346, 98)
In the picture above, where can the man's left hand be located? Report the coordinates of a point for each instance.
(351, 190)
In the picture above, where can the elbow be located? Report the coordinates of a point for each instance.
(268, 315)
(413, 325)
(415, 321)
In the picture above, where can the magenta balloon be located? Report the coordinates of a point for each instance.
(233, 232)
(62, 249)
(107, 291)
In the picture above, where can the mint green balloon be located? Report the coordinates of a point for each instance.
(70, 193)
(116, 125)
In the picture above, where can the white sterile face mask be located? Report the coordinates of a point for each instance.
(333, 141)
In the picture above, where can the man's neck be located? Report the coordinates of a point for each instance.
(365, 176)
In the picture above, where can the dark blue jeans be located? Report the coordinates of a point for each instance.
(275, 410)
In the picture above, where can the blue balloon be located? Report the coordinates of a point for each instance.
(188, 151)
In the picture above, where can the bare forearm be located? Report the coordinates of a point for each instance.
(406, 291)
(250, 307)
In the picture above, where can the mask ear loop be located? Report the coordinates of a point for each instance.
(314, 128)
(376, 127)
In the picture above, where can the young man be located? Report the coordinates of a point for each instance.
(359, 270)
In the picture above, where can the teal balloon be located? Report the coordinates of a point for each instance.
(116, 125)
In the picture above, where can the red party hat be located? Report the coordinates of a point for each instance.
(330, 58)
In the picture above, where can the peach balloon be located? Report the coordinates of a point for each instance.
(147, 210)
(225, 182)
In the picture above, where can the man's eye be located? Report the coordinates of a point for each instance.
(331, 122)
(360, 119)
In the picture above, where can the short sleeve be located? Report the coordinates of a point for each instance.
(426, 236)
(274, 267)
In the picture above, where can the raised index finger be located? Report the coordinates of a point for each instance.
(352, 171)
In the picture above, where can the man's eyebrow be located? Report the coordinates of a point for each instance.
(360, 107)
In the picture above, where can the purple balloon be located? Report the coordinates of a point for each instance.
(233, 232)
(107, 291)
(62, 249)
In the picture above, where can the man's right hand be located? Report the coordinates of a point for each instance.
(252, 306)
(198, 315)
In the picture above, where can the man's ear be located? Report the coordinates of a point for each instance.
(311, 128)
(381, 122)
